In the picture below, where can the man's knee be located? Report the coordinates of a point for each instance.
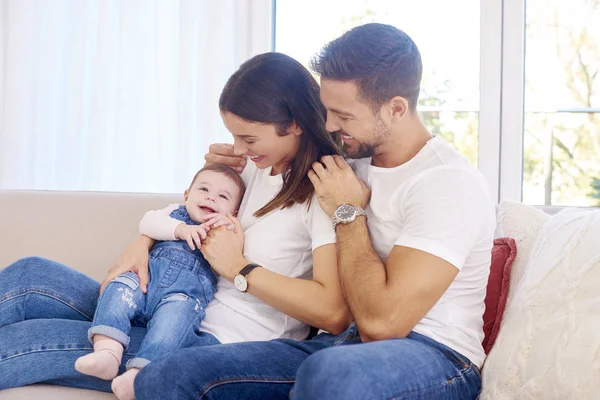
(150, 382)
(170, 377)
(322, 375)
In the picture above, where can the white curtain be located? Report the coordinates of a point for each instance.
(114, 95)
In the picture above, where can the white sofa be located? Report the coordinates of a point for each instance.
(85, 230)
(88, 230)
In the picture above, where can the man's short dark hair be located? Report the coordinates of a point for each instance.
(382, 60)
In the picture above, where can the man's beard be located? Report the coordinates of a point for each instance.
(369, 149)
(364, 150)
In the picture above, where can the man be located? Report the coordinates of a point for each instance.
(413, 266)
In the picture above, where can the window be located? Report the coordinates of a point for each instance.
(449, 101)
(562, 103)
(529, 117)
(118, 95)
(513, 85)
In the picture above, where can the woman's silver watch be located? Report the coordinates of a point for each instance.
(346, 213)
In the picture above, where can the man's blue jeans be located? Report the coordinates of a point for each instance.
(180, 288)
(45, 313)
(326, 367)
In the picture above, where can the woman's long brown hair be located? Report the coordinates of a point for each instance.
(273, 88)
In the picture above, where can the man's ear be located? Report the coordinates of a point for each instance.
(294, 129)
(398, 107)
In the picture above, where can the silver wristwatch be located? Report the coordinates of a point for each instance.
(346, 213)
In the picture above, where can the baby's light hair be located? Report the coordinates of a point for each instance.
(225, 170)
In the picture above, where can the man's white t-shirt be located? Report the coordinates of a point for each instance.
(282, 241)
(438, 203)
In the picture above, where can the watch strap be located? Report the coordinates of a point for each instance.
(247, 269)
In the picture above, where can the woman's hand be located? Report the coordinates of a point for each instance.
(222, 153)
(133, 259)
(223, 249)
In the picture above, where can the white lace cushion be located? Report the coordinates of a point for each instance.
(549, 344)
(522, 223)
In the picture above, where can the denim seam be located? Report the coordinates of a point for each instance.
(352, 334)
(455, 356)
(44, 292)
(246, 379)
(446, 383)
(170, 276)
(8, 357)
(24, 353)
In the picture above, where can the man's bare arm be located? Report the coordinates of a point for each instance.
(388, 299)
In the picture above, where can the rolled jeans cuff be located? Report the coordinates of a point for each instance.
(137, 362)
(109, 331)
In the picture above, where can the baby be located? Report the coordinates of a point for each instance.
(181, 284)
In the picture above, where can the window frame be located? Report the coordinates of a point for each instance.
(501, 116)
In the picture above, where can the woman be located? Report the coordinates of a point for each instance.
(271, 106)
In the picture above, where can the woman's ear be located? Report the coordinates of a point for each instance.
(294, 129)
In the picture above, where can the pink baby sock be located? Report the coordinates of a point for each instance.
(104, 362)
(122, 386)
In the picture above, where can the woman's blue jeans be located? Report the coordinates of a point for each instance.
(46, 309)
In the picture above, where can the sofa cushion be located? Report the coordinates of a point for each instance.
(84, 230)
(522, 223)
(549, 344)
(503, 255)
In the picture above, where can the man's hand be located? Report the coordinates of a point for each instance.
(335, 184)
(222, 153)
(192, 234)
(133, 259)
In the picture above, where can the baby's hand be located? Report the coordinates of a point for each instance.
(216, 220)
(192, 234)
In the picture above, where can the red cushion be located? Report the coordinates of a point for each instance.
(503, 255)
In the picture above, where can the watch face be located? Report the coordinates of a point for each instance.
(240, 283)
(345, 212)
